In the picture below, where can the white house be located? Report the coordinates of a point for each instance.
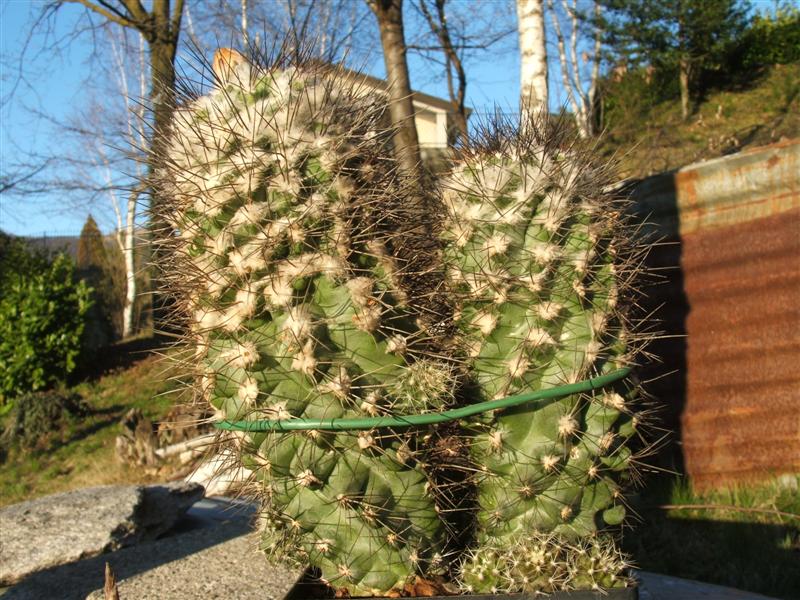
(434, 117)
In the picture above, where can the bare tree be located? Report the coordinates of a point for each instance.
(102, 158)
(456, 37)
(533, 58)
(330, 30)
(580, 87)
(453, 65)
(132, 137)
(94, 174)
(160, 28)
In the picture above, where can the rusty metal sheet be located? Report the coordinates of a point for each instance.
(725, 191)
(741, 419)
(729, 300)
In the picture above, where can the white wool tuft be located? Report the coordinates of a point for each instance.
(537, 337)
(544, 254)
(518, 365)
(549, 462)
(549, 310)
(339, 385)
(297, 326)
(248, 391)
(207, 319)
(485, 322)
(361, 290)
(614, 400)
(278, 291)
(249, 214)
(242, 356)
(497, 244)
(368, 318)
(567, 426)
(248, 258)
(304, 361)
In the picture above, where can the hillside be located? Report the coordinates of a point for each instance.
(653, 139)
(127, 375)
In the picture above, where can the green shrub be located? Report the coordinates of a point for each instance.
(631, 97)
(771, 40)
(38, 416)
(42, 317)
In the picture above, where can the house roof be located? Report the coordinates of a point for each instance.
(377, 83)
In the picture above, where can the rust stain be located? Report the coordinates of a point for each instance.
(729, 305)
(773, 160)
(686, 189)
(741, 419)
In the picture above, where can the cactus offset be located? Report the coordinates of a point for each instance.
(293, 317)
(545, 562)
(531, 244)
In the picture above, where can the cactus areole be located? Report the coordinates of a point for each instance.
(479, 446)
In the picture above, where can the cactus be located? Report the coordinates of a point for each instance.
(545, 562)
(303, 303)
(293, 314)
(533, 252)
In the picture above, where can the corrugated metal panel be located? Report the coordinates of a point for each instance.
(741, 418)
(724, 191)
(735, 395)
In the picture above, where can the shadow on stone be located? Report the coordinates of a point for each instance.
(206, 525)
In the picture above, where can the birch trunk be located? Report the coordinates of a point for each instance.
(245, 39)
(582, 97)
(128, 242)
(533, 58)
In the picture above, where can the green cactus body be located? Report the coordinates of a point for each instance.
(280, 183)
(293, 318)
(530, 257)
(542, 562)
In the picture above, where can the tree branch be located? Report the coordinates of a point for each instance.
(137, 10)
(177, 13)
(112, 15)
(10, 182)
(562, 57)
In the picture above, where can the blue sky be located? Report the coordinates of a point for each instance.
(54, 86)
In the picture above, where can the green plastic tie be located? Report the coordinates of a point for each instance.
(432, 418)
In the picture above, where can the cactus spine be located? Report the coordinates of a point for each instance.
(530, 250)
(283, 191)
(293, 316)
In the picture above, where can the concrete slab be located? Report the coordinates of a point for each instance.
(653, 586)
(212, 554)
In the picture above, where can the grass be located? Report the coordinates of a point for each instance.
(746, 537)
(652, 139)
(84, 453)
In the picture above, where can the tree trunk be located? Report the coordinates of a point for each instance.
(461, 127)
(533, 58)
(162, 97)
(409, 233)
(128, 251)
(456, 89)
(685, 81)
(401, 107)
